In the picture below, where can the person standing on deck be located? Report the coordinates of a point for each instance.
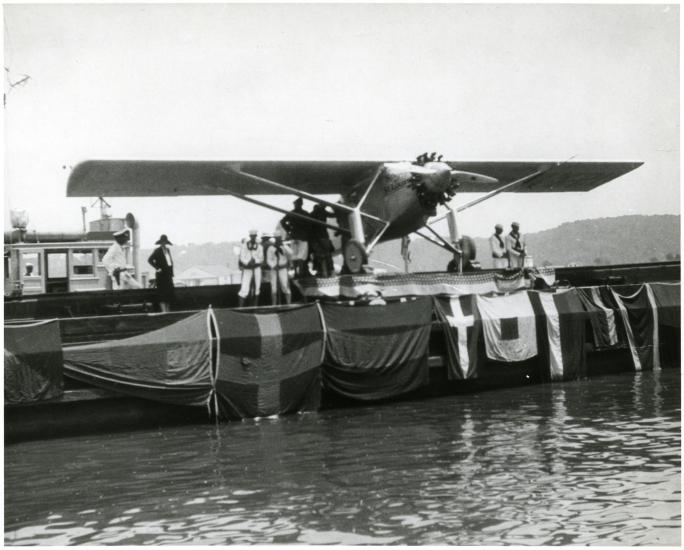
(515, 247)
(498, 247)
(321, 245)
(251, 259)
(296, 226)
(278, 260)
(114, 262)
(162, 262)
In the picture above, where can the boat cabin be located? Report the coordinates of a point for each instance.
(46, 263)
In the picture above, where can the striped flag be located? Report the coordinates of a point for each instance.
(668, 300)
(601, 317)
(640, 317)
(562, 332)
(411, 284)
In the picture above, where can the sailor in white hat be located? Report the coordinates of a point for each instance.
(515, 247)
(278, 257)
(498, 248)
(251, 259)
(115, 263)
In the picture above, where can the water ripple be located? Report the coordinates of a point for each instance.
(589, 462)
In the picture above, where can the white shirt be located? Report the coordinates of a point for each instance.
(274, 260)
(498, 246)
(510, 245)
(167, 255)
(246, 255)
(115, 257)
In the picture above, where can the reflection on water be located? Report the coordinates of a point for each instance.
(590, 462)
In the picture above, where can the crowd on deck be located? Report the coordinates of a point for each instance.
(300, 240)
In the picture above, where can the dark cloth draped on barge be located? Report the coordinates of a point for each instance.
(377, 351)
(269, 363)
(33, 363)
(171, 364)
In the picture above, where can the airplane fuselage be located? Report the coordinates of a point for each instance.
(405, 195)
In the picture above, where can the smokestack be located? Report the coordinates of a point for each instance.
(133, 225)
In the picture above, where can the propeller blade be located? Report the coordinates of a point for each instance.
(471, 177)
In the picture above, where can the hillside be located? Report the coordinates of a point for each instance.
(623, 239)
(605, 241)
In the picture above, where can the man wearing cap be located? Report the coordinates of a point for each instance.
(515, 247)
(251, 259)
(114, 262)
(278, 259)
(296, 226)
(162, 262)
(498, 247)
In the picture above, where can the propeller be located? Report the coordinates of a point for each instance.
(458, 176)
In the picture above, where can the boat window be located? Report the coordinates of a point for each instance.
(30, 264)
(100, 254)
(83, 262)
(56, 265)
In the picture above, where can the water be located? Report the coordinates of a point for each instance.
(589, 462)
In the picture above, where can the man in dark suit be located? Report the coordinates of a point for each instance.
(162, 262)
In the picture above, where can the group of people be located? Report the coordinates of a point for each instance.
(161, 260)
(310, 239)
(508, 250)
(277, 255)
(298, 241)
(272, 253)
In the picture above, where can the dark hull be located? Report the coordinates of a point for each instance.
(92, 411)
(86, 410)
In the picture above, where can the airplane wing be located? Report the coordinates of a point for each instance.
(138, 178)
(557, 177)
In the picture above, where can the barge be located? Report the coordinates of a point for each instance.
(92, 402)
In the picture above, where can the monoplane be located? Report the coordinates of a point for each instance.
(379, 200)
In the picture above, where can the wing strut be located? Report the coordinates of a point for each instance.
(433, 241)
(440, 242)
(284, 211)
(297, 192)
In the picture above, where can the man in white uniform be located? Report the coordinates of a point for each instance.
(251, 258)
(515, 247)
(115, 263)
(498, 247)
(278, 260)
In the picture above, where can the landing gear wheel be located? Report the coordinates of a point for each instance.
(467, 245)
(354, 256)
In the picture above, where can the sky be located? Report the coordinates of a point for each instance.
(336, 82)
